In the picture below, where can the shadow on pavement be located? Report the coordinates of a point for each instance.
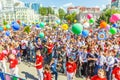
(29, 76)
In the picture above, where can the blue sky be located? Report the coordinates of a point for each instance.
(65, 3)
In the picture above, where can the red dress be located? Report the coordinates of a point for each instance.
(96, 77)
(47, 76)
(116, 72)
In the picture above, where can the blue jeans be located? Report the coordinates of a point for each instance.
(97, 67)
(32, 54)
(109, 74)
(56, 74)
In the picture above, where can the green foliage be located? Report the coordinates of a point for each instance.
(106, 15)
(71, 17)
(61, 13)
(44, 11)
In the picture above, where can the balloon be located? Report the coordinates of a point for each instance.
(1, 28)
(5, 28)
(14, 52)
(65, 26)
(15, 26)
(108, 27)
(77, 28)
(113, 30)
(37, 25)
(103, 24)
(89, 16)
(8, 26)
(41, 35)
(42, 24)
(91, 21)
(7, 33)
(115, 17)
(75, 21)
(86, 25)
(58, 21)
(85, 33)
(4, 52)
(91, 30)
(13, 22)
(18, 21)
(112, 21)
(115, 25)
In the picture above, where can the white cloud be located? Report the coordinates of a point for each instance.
(68, 4)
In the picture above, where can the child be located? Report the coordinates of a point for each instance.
(47, 74)
(71, 69)
(13, 65)
(100, 76)
(2, 61)
(39, 65)
(54, 69)
(116, 72)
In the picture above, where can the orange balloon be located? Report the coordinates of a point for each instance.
(103, 24)
(5, 28)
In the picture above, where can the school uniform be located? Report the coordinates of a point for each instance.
(91, 64)
(100, 63)
(110, 64)
(39, 60)
(71, 69)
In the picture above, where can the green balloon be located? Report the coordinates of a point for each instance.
(41, 35)
(42, 25)
(91, 21)
(113, 30)
(8, 26)
(77, 28)
(14, 78)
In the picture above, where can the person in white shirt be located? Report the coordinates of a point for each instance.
(110, 60)
(100, 62)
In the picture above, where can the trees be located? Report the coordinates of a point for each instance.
(71, 17)
(106, 15)
(44, 11)
(61, 13)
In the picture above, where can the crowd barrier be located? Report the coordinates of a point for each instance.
(6, 76)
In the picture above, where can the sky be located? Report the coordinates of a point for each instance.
(66, 3)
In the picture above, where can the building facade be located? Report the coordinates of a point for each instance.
(83, 11)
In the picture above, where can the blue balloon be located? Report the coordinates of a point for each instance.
(115, 25)
(85, 33)
(7, 33)
(37, 25)
(58, 21)
(1, 28)
(15, 26)
(13, 22)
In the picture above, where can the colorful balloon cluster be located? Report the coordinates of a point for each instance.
(90, 17)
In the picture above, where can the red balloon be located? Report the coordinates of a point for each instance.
(91, 30)
(18, 21)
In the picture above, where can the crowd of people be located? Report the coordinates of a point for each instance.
(62, 51)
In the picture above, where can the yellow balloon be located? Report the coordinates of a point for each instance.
(75, 21)
(65, 26)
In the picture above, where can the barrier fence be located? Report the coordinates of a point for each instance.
(6, 76)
